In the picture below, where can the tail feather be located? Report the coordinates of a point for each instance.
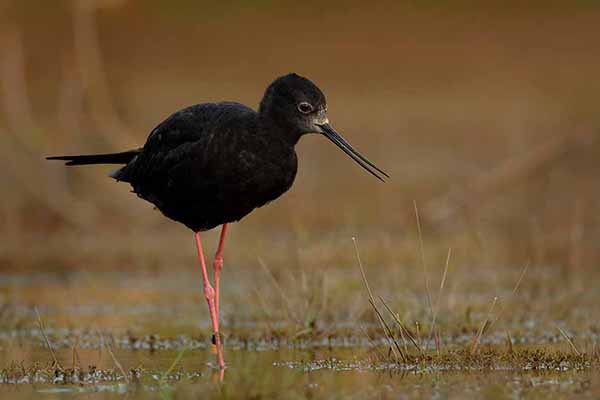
(109, 158)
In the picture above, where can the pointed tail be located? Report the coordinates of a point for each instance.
(110, 158)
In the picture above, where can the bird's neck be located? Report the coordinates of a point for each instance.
(279, 129)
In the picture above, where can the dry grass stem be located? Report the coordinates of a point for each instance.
(75, 355)
(484, 326)
(509, 343)
(397, 351)
(423, 263)
(115, 361)
(174, 364)
(280, 291)
(402, 327)
(439, 296)
(512, 294)
(50, 348)
(569, 340)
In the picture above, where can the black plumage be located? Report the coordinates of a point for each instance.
(213, 163)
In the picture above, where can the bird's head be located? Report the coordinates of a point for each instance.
(299, 107)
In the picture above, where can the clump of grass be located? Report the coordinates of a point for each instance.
(395, 348)
(18, 373)
(473, 355)
(489, 358)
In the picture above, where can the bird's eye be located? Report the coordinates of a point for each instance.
(305, 107)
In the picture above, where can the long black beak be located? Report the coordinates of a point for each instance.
(340, 142)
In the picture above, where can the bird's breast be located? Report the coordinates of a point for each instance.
(274, 179)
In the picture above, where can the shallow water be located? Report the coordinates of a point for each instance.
(285, 373)
(266, 358)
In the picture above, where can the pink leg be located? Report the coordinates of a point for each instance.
(209, 294)
(218, 265)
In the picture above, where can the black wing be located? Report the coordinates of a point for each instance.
(197, 133)
(193, 150)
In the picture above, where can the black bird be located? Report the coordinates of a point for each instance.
(211, 164)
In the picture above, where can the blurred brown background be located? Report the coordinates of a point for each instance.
(484, 113)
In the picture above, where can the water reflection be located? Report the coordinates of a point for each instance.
(315, 373)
